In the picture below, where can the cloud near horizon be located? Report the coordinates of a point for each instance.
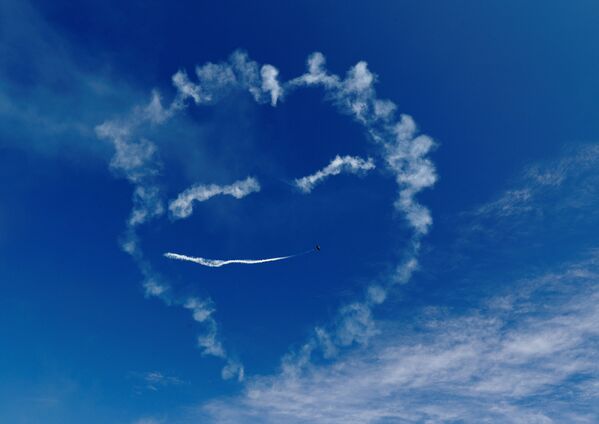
(524, 356)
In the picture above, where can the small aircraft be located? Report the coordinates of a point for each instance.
(317, 248)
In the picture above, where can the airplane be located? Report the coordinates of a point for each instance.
(317, 248)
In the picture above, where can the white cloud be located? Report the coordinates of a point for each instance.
(528, 363)
(185, 87)
(571, 180)
(405, 155)
(356, 324)
(147, 204)
(317, 74)
(209, 344)
(202, 312)
(201, 309)
(512, 202)
(247, 72)
(384, 109)
(233, 369)
(270, 84)
(208, 341)
(376, 294)
(154, 288)
(359, 78)
(324, 339)
(136, 159)
(155, 112)
(404, 151)
(349, 164)
(155, 380)
(216, 80)
(547, 196)
(182, 206)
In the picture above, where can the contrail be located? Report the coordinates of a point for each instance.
(215, 263)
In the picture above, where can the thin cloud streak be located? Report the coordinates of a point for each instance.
(217, 263)
(154, 381)
(182, 206)
(545, 198)
(347, 164)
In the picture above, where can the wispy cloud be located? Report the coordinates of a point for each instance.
(270, 84)
(209, 343)
(137, 160)
(527, 356)
(155, 380)
(182, 206)
(215, 80)
(403, 149)
(354, 323)
(38, 113)
(348, 164)
(551, 194)
(571, 177)
(405, 154)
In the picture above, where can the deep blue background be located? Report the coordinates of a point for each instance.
(497, 85)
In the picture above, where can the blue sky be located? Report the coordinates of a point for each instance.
(443, 155)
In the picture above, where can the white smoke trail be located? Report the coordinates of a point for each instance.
(350, 164)
(182, 206)
(216, 263)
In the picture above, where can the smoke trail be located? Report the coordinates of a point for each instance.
(216, 263)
